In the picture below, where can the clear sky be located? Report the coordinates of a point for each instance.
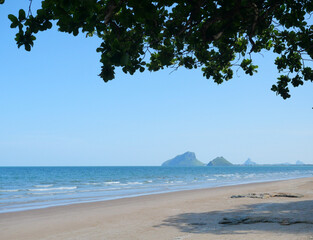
(55, 110)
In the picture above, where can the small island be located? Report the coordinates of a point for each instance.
(219, 161)
(298, 162)
(249, 162)
(187, 159)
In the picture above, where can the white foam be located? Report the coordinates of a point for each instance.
(49, 189)
(225, 175)
(43, 186)
(252, 175)
(134, 183)
(211, 179)
(9, 190)
(111, 182)
(98, 190)
(92, 184)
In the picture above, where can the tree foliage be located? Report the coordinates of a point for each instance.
(216, 35)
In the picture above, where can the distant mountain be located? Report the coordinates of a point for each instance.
(249, 162)
(219, 161)
(300, 162)
(188, 159)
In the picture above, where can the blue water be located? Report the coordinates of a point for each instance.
(23, 188)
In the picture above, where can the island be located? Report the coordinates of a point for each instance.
(219, 161)
(187, 159)
(249, 162)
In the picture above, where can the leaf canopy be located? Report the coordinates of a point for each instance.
(217, 36)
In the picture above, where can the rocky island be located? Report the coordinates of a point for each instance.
(219, 161)
(187, 159)
(249, 162)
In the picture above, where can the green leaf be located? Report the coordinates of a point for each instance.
(296, 81)
(13, 18)
(27, 47)
(125, 59)
(21, 15)
(14, 25)
(75, 31)
(307, 74)
(107, 72)
(49, 25)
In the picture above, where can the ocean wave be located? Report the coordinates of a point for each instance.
(92, 183)
(10, 190)
(10, 198)
(252, 175)
(53, 189)
(227, 175)
(134, 183)
(98, 190)
(111, 182)
(47, 193)
(211, 179)
(43, 186)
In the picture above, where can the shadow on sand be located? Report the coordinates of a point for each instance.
(299, 214)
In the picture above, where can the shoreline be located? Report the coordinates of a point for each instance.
(189, 214)
(22, 209)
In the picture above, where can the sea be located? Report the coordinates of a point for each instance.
(25, 188)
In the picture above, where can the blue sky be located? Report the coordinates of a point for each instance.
(55, 110)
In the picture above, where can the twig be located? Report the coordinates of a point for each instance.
(30, 8)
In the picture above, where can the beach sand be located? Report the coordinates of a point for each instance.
(184, 215)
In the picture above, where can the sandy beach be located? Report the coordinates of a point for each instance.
(256, 211)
